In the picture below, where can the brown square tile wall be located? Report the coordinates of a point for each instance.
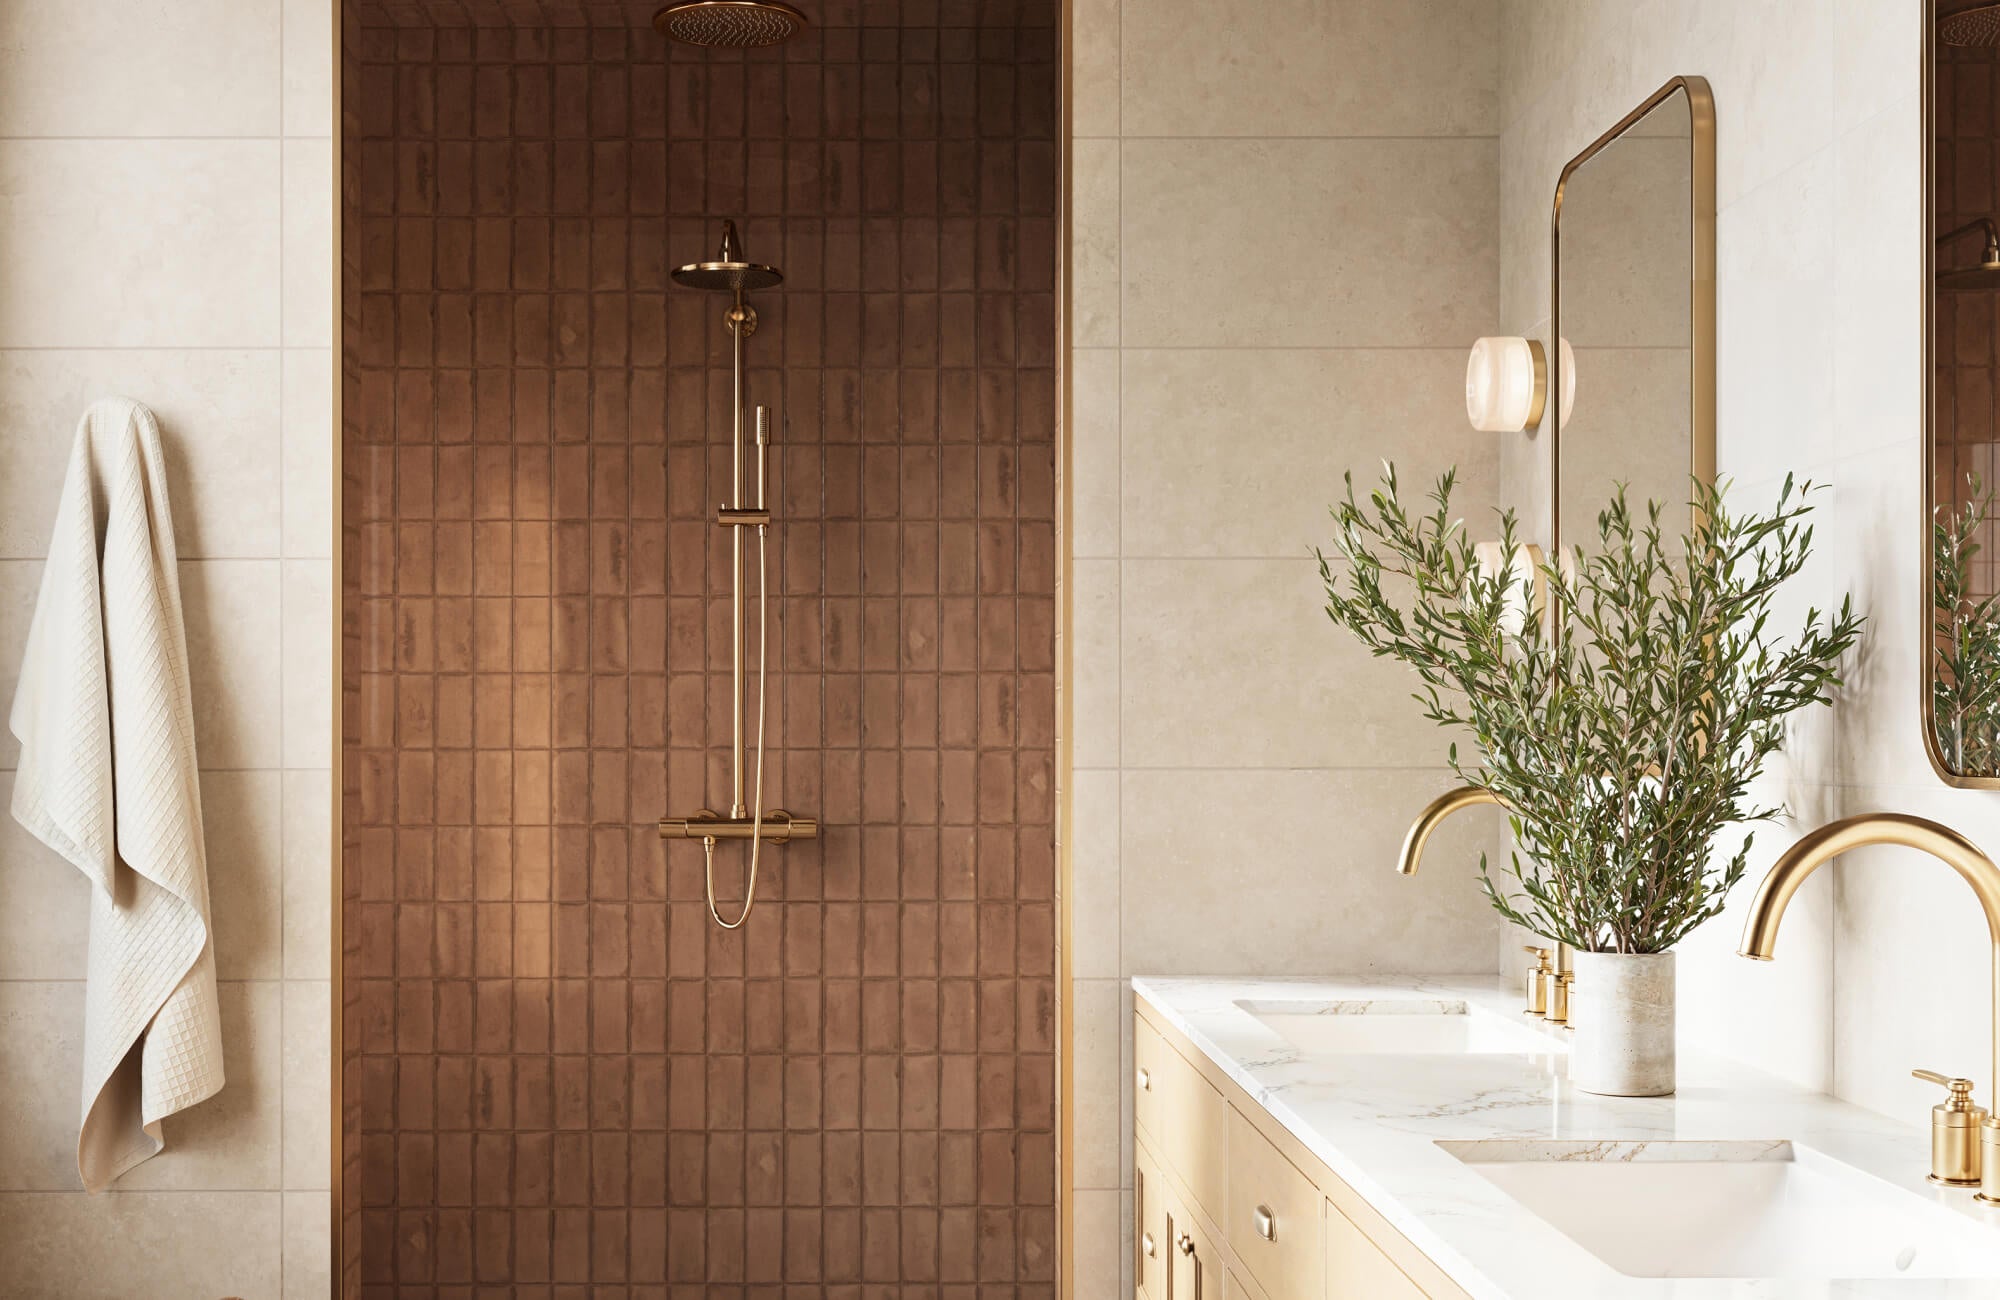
(561, 1079)
(1965, 346)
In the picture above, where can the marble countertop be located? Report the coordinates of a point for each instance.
(1376, 1119)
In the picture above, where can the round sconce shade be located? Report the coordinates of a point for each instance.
(1506, 384)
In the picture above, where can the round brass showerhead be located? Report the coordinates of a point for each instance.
(728, 271)
(1977, 25)
(730, 24)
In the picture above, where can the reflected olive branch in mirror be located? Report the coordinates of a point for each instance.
(1965, 674)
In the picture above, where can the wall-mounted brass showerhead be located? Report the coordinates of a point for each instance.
(730, 24)
(728, 272)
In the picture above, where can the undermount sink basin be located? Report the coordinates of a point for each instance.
(1732, 1209)
(1414, 1027)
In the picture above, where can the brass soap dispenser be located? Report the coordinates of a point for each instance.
(1955, 1132)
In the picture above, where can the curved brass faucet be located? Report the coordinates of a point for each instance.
(1427, 821)
(1760, 931)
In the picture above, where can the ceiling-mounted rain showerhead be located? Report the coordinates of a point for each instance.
(730, 24)
(1977, 25)
(728, 273)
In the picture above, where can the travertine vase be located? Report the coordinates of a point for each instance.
(1622, 1007)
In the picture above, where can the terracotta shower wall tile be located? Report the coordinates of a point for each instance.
(568, 1079)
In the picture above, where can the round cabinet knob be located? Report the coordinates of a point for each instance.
(1145, 1080)
(1186, 1243)
(1146, 1244)
(1265, 1222)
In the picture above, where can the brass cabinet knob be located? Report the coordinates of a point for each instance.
(1265, 1222)
(1145, 1079)
(1186, 1243)
(1146, 1244)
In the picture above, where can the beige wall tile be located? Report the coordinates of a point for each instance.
(308, 452)
(219, 421)
(143, 1244)
(128, 243)
(1101, 1235)
(1308, 243)
(242, 825)
(1094, 243)
(45, 925)
(231, 1141)
(1308, 885)
(1305, 67)
(1094, 688)
(1093, 60)
(1232, 663)
(308, 237)
(1094, 874)
(1099, 1082)
(1094, 451)
(307, 1082)
(41, 1060)
(308, 67)
(1244, 449)
(308, 852)
(20, 584)
(308, 674)
(308, 1246)
(232, 613)
(186, 69)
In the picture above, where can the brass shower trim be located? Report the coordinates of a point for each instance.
(779, 827)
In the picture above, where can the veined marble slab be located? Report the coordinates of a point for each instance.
(1376, 1121)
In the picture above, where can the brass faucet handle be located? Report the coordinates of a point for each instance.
(1961, 1089)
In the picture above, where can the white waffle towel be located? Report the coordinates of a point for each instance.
(103, 706)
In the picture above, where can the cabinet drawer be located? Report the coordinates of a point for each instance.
(1356, 1269)
(1274, 1223)
(1183, 1114)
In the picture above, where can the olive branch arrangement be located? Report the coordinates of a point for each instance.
(1965, 673)
(1621, 728)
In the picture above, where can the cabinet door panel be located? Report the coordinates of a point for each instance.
(1356, 1269)
(1184, 1114)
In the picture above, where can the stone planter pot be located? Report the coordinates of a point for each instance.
(1622, 1007)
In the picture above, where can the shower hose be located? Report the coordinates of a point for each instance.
(757, 786)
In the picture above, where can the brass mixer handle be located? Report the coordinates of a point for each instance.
(1960, 1088)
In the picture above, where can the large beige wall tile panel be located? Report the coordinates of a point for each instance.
(308, 654)
(1094, 451)
(191, 68)
(307, 1073)
(1307, 242)
(1262, 872)
(308, 68)
(141, 1244)
(308, 853)
(1095, 33)
(1096, 697)
(1232, 663)
(219, 416)
(1099, 1082)
(308, 234)
(1094, 876)
(308, 1251)
(1310, 68)
(135, 243)
(20, 584)
(242, 825)
(1094, 279)
(1245, 448)
(307, 454)
(232, 612)
(45, 926)
(1878, 333)
(41, 1039)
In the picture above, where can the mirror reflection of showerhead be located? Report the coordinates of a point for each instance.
(1977, 25)
(728, 272)
(730, 24)
(1986, 275)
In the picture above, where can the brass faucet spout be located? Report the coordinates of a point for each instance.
(1427, 821)
(1760, 931)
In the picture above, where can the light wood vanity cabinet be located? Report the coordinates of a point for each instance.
(1229, 1203)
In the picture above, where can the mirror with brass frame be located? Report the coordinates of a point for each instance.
(1960, 599)
(1633, 254)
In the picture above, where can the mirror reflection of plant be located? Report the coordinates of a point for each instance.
(1622, 730)
(1965, 676)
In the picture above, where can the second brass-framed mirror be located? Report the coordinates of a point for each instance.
(1959, 589)
(1632, 294)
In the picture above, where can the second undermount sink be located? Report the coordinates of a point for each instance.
(1398, 1026)
(1732, 1209)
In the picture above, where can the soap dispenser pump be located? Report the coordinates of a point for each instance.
(1955, 1132)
